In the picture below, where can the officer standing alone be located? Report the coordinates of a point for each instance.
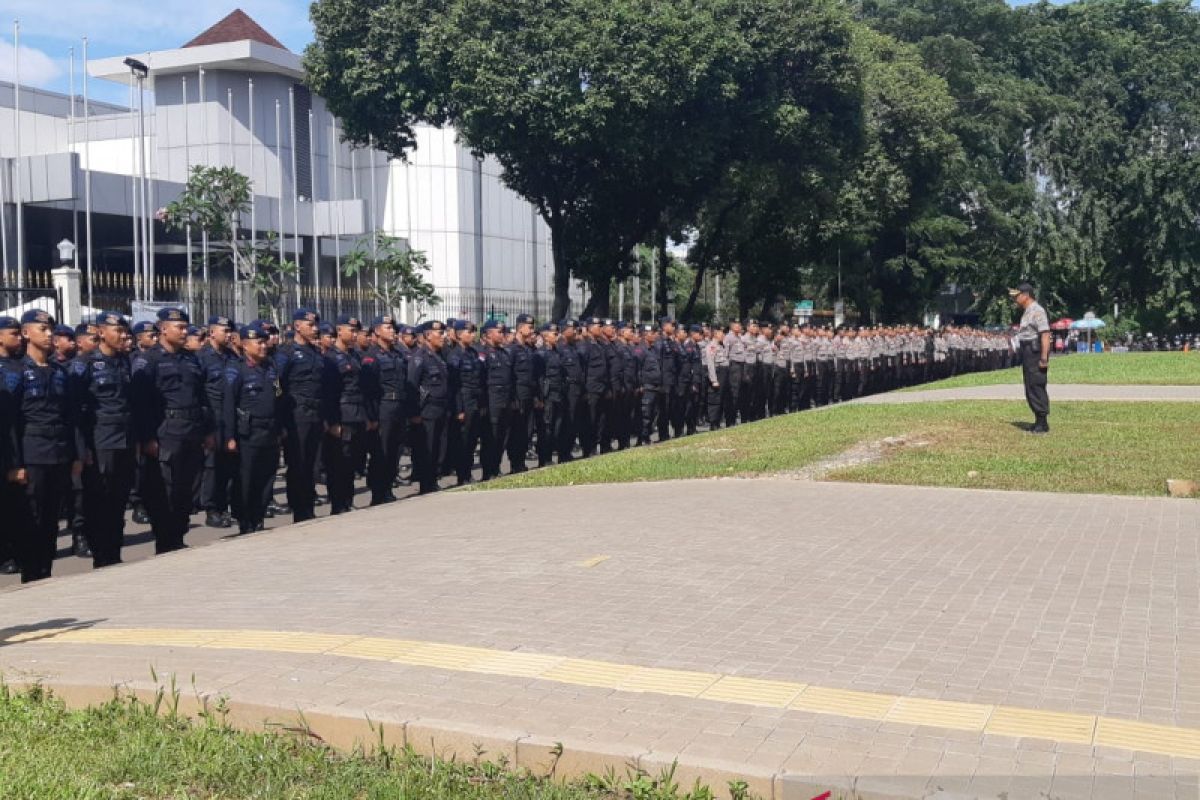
(1033, 336)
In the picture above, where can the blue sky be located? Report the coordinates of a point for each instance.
(50, 27)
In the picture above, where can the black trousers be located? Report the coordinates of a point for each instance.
(549, 438)
(665, 401)
(426, 441)
(37, 541)
(716, 398)
(301, 450)
(220, 472)
(651, 403)
(256, 474)
(495, 439)
(170, 484)
(569, 432)
(733, 393)
(468, 433)
(343, 453)
(518, 435)
(1035, 380)
(386, 443)
(597, 406)
(106, 485)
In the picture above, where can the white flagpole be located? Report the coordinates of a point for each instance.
(18, 184)
(354, 195)
(87, 172)
(71, 149)
(295, 189)
(337, 230)
(279, 176)
(372, 220)
(204, 160)
(235, 222)
(253, 204)
(312, 171)
(135, 195)
(147, 285)
(187, 165)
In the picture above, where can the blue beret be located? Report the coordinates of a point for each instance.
(695, 329)
(666, 321)
(646, 327)
(450, 322)
(173, 315)
(752, 321)
(383, 319)
(64, 330)
(568, 323)
(220, 319)
(349, 319)
(305, 315)
(491, 324)
(9, 323)
(143, 327)
(432, 325)
(523, 318)
(110, 318)
(461, 324)
(255, 330)
(549, 326)
(407, 330)
(193, 330)
(36, 315)
(85, 328)
(325, 329)
(595, 321)
(622, 324)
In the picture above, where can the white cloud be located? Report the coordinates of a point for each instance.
(37, 68)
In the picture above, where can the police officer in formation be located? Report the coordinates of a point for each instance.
(137, 418)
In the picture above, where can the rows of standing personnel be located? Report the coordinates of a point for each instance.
(172, 418)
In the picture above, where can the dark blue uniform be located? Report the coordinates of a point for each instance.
(467, 370)
(649, 362)
(597, 397)
(386, 372)
(428, 398)
(349, 408)
(573, 379)
(300, 368)
(250, 416)
(667, 351)
(525, 397)
(10, 493)
(499, 381)
(220, 467)
(101, 388)
(170, 407)
(43, 444)
(553, 391)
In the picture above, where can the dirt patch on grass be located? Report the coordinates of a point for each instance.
(859, 455)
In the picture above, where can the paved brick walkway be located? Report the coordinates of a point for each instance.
(1058, 392)
(1080, 604)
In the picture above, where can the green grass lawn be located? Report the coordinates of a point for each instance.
(1117, 448)
(123, 750)
(1155, 369)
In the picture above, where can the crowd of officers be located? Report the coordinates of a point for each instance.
(171, 419)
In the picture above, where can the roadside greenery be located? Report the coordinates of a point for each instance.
(1110, 369)
(1114, 448)
(877, 150)
(129, 750)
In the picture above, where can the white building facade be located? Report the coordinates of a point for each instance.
(235, 97)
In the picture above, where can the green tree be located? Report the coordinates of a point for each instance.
(612, 117)
(395, 272)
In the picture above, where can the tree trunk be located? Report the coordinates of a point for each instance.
(661, 266)
(599, 304)
(697, 284)
(562, 271)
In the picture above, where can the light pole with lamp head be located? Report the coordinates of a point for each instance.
(140, 71)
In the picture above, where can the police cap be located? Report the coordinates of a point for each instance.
(549, 327)
(173, 315)
(325, 329)
(524, 318)
(221, 320)
(490, 325)
(143, 327)
(255, 330)
(36, 315)
(64, 330)
(350, 320)
(305, 315)
(9, 323)
(383, 319)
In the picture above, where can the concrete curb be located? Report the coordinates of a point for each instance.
(541, 755)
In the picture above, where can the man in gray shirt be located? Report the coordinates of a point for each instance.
(1033, 336)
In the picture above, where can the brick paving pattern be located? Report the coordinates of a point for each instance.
(1082, 604)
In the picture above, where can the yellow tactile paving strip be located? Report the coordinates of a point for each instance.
(998, 720)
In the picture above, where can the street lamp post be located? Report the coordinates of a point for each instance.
(140, 71)
(66, 252)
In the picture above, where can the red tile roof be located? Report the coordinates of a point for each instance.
(236, 27)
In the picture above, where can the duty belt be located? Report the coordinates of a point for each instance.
(392, 396)
(193, 413)
(48, 430)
